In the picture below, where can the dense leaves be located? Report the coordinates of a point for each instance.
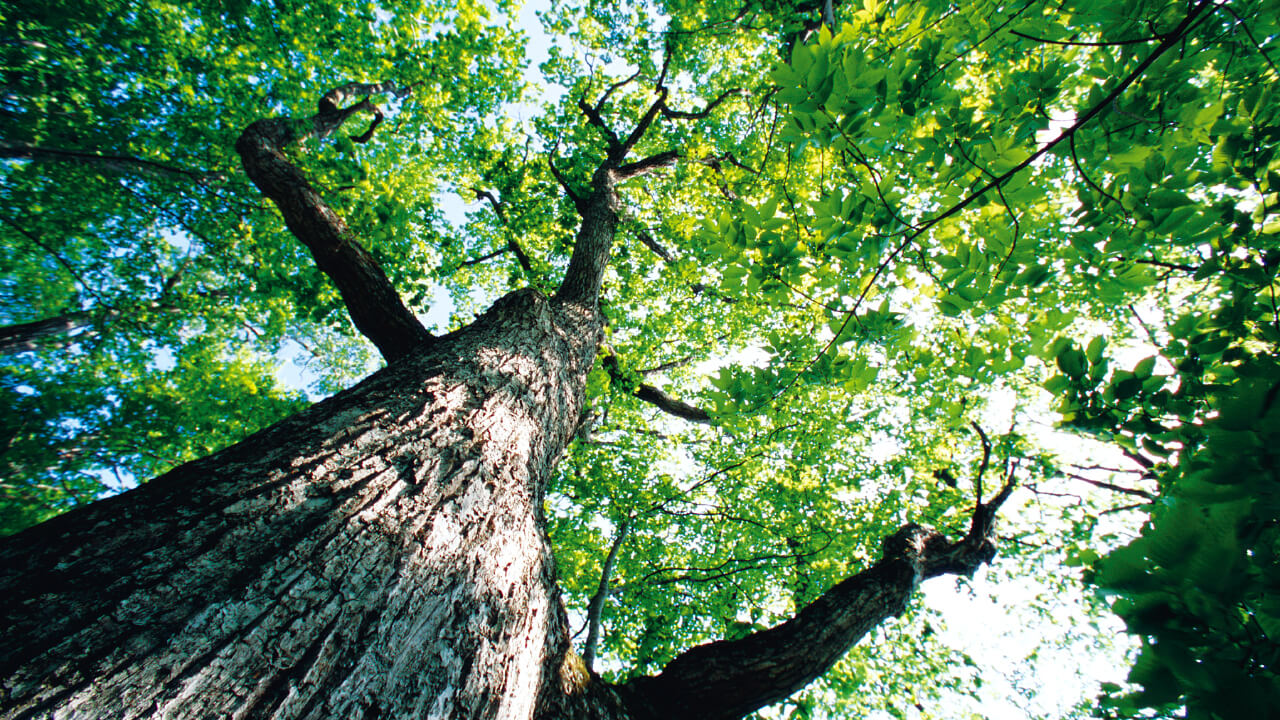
(165, 284)
(883, 229)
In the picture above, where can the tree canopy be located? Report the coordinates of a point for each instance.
(864, 232)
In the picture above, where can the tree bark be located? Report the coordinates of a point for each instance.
(382, 554)
(726, 680)
(46, 332)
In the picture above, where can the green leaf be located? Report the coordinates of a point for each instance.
(1072, 362)
(1144, 368)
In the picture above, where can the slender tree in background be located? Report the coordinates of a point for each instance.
(762, 269)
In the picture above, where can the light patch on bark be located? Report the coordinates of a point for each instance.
(381, 554)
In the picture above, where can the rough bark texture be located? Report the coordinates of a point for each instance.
(726, 680)
(381, 554)
(375, 308)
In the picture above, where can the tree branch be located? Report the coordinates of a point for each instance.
(375, 308)
(647, 165)
(593, 117)
(670, 405)
(1110, 486)
(726, 680)
(714, 161)
(656, 397)
(1077, 43)
(513, 245)
(564, 185)
(642, 127)
(493, 202)
(1249, 33)
(125, 163)
(599, 210)
(591, 246)
(54, 331)
(704, 112)
(647, 240)
(596, 607)
(76, 277)
(986, 460)
(483, 258)
(673, 364)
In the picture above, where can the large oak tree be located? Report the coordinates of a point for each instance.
(760, 265)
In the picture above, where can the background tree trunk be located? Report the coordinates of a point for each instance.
(381, 554)
(52, 331)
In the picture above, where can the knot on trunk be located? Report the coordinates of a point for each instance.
(931, 554)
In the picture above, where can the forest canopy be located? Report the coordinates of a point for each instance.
(874, 262)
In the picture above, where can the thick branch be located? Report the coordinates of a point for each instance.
(672, 406)
(375, 307)
(647, 165)
(658, 398)
(726, 680)
(599, 211)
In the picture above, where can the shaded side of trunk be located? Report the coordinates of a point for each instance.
(46, 332)
(381, 554)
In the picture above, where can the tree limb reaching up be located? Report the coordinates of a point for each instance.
(595, 608)
(375, 307)
(728, 679)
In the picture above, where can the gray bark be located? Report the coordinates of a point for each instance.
(381, 554)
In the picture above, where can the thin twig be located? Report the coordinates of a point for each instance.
(1082, 43)
(1110, 486)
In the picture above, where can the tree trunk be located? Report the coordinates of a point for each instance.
(32, 336)
(383, 554)
(380, 555)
